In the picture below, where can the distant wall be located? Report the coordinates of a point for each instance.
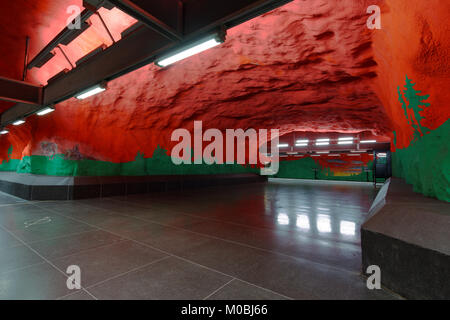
(324, 167)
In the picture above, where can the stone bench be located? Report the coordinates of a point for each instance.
(408, 236)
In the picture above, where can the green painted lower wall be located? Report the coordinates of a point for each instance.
(159, 164)
(304, 169)
(426, 163)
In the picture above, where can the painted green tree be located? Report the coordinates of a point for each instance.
(417, 103)
(10, 151)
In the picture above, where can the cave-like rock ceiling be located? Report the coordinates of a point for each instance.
(307, 66)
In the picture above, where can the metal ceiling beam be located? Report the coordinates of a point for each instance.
(20, 91)
(64, 37)
(150, 21)
(203, 14)
(138, 48)
(68, 35)
(18, 111)
(94, 5)
(126, 55)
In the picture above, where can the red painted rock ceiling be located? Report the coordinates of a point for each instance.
(308, 66)
(414, 41)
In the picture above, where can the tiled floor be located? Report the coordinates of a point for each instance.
(285, 239)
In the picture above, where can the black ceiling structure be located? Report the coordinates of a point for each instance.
(163, 26)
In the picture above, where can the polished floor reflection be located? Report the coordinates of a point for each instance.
(286, 239)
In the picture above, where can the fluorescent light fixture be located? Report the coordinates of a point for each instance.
(381, 155)
(291, 153)
(45, 111)
(301, 144)
(325, 152)
(193, 49)
(323, 142)
(303, 141)
(368, 141)
(334, 155)
(345, 138)
(283, 145)
(345, 142)
(91, 91)
(4, 131)
(18, 122)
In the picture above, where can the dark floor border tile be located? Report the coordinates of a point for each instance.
(97, 187)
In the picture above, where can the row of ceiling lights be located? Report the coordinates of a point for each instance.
(181, 54)
(325, 142)
(319, 153)
(83, 95)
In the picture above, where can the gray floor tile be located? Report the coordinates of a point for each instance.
(260, 238)
(7, 240)
(17, 257)
(169, 218)
(168, 279)
(36, 282)
(80, 212)
(239, 290)
(6, 199)
(164, 238)
(163, 216)
(113, 206)
(48, 227)
(60, 247)
(229, 258)
(102, 263)
(14, 217)
(78, 295)
(118, 224)
(70, 208)
(306, 280)
(345, 255)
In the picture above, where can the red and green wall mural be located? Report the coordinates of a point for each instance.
(345, 167)
(275, 71)
(412, 54)
(73, 163)
(425, 162)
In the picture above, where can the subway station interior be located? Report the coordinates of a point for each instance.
(224, 150)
